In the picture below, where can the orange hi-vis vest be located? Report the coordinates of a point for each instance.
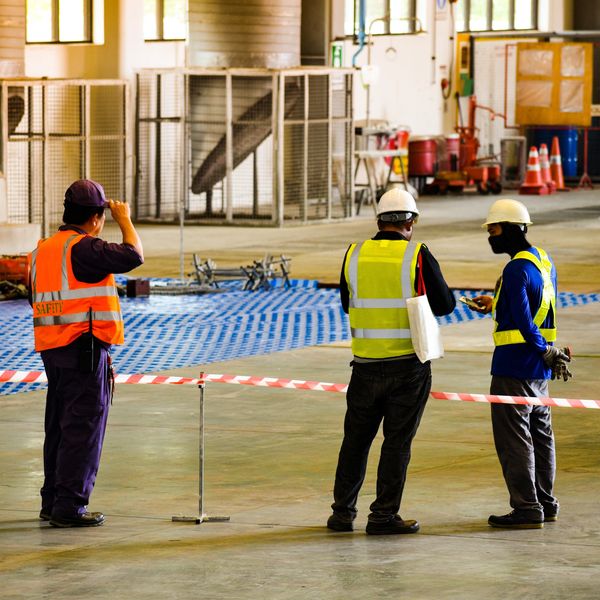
(62, 304)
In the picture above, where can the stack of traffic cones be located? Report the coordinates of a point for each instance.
(533, 183)
(556, 171)
(545, 169)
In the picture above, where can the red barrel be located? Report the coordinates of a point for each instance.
(422, 157)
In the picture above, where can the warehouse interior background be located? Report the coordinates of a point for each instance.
(225, 113)
(253, 140)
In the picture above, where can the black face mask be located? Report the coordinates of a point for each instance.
(510, 241)
(499, 243)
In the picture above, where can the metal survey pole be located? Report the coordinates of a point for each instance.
(202, 517)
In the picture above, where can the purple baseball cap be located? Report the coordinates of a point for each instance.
(85, 192)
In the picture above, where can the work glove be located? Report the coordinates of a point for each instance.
(556, 359)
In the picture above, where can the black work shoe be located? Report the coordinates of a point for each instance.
(515, 520)
(337, 523)
(86, 519)
(45, 516)
(395, 525)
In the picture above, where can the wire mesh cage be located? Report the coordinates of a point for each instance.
(55, 132)
(245, 145)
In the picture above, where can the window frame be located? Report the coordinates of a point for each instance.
(88, 25)
(413, 16)
(490, 17)
(160, 26)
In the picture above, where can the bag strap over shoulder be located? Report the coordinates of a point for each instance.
(421, 291)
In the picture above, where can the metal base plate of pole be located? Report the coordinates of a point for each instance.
(202, 517)
(198, 520)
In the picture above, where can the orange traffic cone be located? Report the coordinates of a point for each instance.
(545, 169)
(556, 167)
(533, 183)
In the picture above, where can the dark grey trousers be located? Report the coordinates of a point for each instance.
(525, 446)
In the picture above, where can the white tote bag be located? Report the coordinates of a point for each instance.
(424, 329)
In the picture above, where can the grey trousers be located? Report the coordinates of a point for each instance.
(525, 446)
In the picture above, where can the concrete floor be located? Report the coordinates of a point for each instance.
(271, 453)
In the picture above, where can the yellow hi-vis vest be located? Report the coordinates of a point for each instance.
(514, 336)
(381, 276)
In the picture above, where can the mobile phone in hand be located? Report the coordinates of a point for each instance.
(470, 303)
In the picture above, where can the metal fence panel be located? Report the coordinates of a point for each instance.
(248, 140)
(252, 143)
(158, 146)
(57, 131)
(207, 127)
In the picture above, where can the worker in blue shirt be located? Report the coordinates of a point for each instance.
(524, 311)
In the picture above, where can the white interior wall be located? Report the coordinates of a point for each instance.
(407, 90)
(408, 86)
(118, 50)
(555, 15)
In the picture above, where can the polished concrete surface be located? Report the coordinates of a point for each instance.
(271, 453)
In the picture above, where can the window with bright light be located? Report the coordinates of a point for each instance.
(495, 15)
(165, 20)
(59, 21)
(383, 17)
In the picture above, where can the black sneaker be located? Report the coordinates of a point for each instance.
(394, 526)
(338, 523)
(516, 520)
(550, 517)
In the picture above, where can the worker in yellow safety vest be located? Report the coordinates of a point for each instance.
(525, 358)
(388, 381)
(76, 319)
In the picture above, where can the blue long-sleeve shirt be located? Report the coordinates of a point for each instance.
(519, 300)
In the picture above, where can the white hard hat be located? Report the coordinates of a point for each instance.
(397, 200)
(508, 211)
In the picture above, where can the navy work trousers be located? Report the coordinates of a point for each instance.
(394, 392)
(76, 412)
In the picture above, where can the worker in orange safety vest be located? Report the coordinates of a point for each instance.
(76, 319)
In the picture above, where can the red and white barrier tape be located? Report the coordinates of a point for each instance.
(40, 377)
(492, 399)
(300, 384)
(23, 377)
(295, 384)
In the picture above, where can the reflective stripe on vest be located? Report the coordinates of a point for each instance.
(82, 317)
(377, 307)
(62, 305)
(514, 336)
